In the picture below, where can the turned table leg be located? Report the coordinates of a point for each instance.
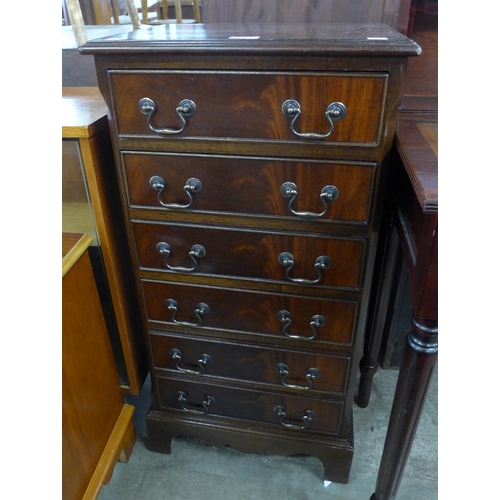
(417, 366)
(368, 365)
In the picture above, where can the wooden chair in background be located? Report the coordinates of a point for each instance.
(178, 4)
(104, 12)
(111, 12)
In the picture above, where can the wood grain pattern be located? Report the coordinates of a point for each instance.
(249, 405)
(247, 185)
(83, 112)
(118, 448)
(250, 254)
(254, 314)
(430, 132)
(85, 119)
(329, 39)
(419, 158)
(248, 105)
(239, 75)
(256, 365)
(91, 395)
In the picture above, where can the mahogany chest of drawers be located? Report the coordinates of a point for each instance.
(251, 163)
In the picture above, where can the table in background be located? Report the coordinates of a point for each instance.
(411, 228)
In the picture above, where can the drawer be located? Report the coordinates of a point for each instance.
(206, 400)
(305, 259)
(310, 321)
(299, 371)
(248, 105)
(327, 190)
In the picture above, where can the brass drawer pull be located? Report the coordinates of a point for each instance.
(334, 112)
(193, 185)
(207, 401)
(311, 374)
(280, 410)
(176, 355)
(290, 190)
(316, 321)
(186, 108)
(201, 310)
(323, 262)
(197, 251)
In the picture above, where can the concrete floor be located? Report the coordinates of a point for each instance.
(198, 471)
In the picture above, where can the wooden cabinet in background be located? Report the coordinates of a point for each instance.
(97, 427)
(91, 205)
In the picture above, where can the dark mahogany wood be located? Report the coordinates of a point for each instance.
(247, 185)
(336, 39)
(251, 314)
(256, 365)
(417, 366)
(251, 405)
(240, 138)
(251, 254)
(416, 143)
(389, 248)
(335, 454)
(413, 224)
(253, 109)
(414, 204)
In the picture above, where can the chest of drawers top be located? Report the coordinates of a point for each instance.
(245, 83)
(310, 39)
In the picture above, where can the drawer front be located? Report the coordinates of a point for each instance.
(213, 400)
(250, 254)
(299, 371)
(312, 321)
(250, 186)
(248, 105)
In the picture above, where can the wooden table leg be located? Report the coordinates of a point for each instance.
(369, 362)
(417, 366)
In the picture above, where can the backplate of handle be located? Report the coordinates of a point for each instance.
(208, 400)
(185, 109)
(191, 187)
(316, 321)
(334, 112)
(328, 193)
(176, 355)
(309, 415)
(311, 374)
(201, 310)
(322, 262)
(197, 252)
